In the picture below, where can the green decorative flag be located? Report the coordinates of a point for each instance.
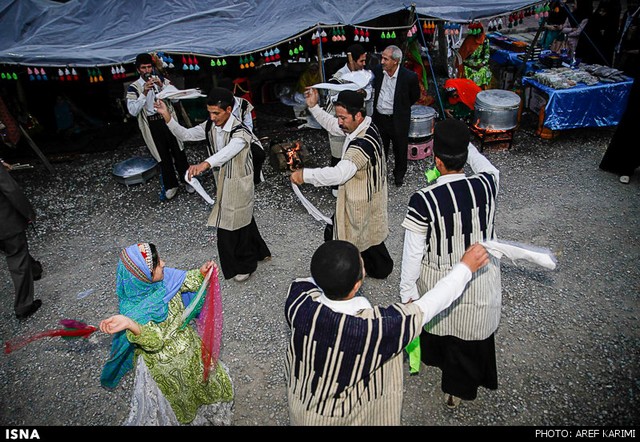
(413, 350)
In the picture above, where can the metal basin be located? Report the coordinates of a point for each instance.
(422, 121)
(497, 109)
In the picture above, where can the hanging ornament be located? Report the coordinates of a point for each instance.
(323, 36)
(356, 34)
(60, 74)
(76, 77)
(30, 72)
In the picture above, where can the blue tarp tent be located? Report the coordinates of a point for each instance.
(87, 33)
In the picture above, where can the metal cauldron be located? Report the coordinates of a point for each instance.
(497, 109)
(422, 122)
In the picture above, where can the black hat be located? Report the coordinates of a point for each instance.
(356, 51)
(143, 58)
(336, 267)
(451, 137)
(351, 99)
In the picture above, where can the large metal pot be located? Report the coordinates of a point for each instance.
(422, 121)
(497, 109)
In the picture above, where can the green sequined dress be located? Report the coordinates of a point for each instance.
(169, 387)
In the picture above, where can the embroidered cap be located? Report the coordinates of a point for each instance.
(145, 251)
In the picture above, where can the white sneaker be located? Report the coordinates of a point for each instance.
(190, 188)
(624, 179)
(171, 193)
(242, 277)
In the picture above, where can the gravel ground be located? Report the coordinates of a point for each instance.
(567, 346)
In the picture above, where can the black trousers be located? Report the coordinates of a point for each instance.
(240, 250)
(399, 140)
(172, 158)
(465, 365)
(377, 260)
(22, 268)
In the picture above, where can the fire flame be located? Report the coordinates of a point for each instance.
(488, 130)
(292, 156)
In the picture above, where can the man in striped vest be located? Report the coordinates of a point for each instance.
(361, 176)
(344, 362)
(442, 220)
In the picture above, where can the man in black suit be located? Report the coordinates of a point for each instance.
(16, 212)
(396, 90)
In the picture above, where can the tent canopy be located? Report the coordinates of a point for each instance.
(87, 33)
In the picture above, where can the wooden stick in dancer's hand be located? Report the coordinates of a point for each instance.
(350, 62)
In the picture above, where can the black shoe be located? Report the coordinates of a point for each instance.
(31, 310)
(399, 183)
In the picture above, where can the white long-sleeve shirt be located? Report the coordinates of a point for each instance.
(197, 133)
(387, 92)
(345, 169)
(368, 89)
(447, 290)
(144, 101)
(414, 243)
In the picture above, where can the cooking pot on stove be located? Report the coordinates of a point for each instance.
(497, 109)
(422, 121)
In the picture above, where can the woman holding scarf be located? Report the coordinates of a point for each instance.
(149, 334)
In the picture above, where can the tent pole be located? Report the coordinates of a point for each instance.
(532, 45)
(433, 74)
(320, 58)
(36, 149)
(412, 15)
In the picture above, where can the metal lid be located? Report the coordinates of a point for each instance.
(497, 99)
(134, 166)
(418, 110)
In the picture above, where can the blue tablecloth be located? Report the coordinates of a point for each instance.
(504, 57)
(600, 105)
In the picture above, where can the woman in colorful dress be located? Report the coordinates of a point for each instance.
(149, 334)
